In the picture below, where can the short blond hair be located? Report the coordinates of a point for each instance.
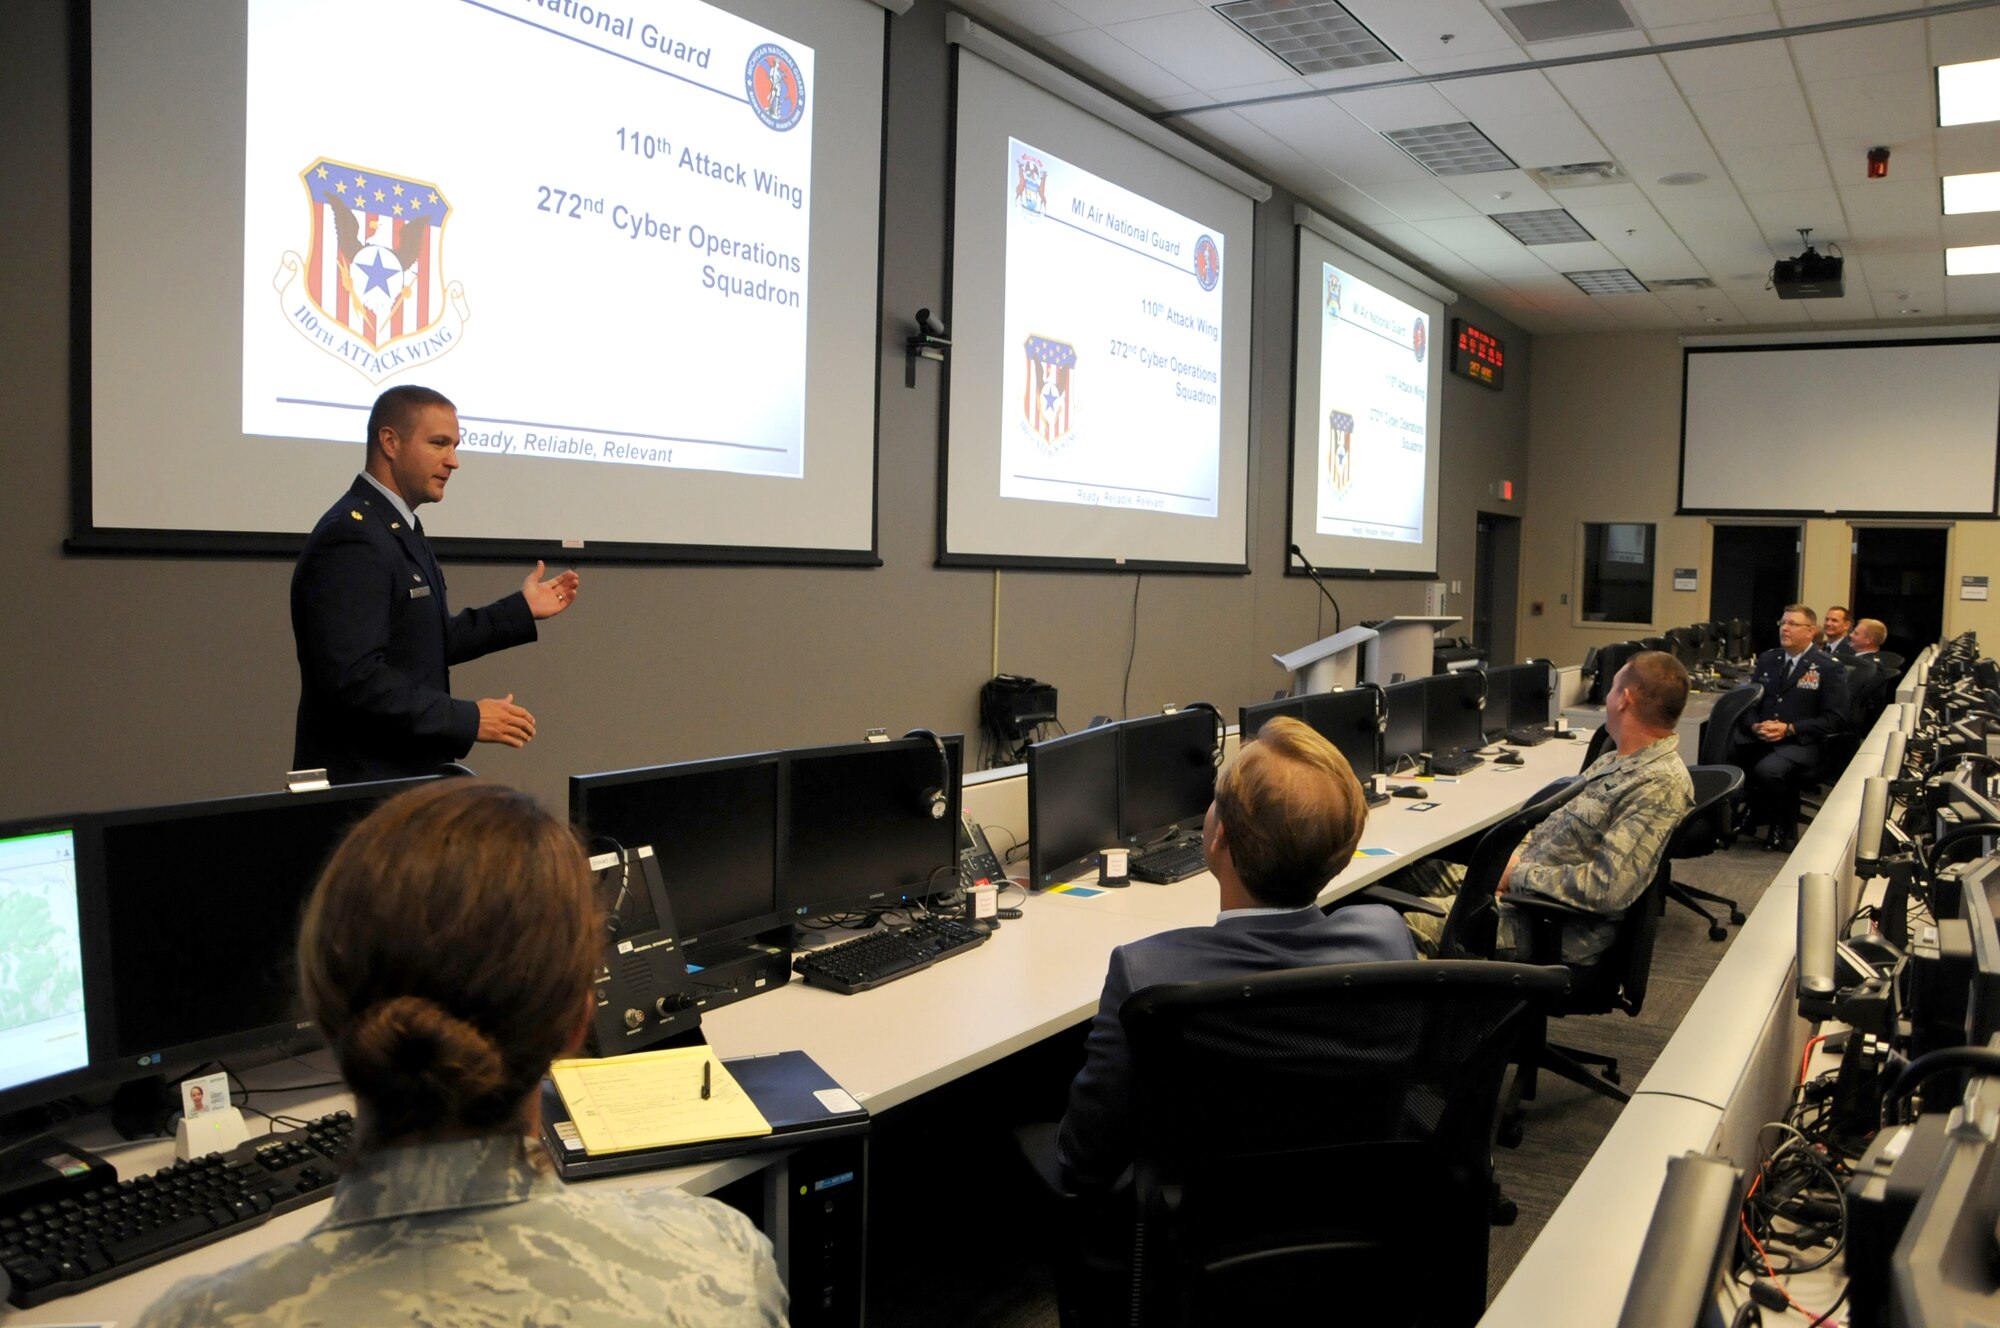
(1870, 630)
(1293, 812)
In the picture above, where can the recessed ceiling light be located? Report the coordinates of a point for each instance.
(1543, 226)
(1972, 260)
(1968, 93)
(1607, 281)
(1451, 149)
(1681, 178)
(1972, 193)
(1312, 36)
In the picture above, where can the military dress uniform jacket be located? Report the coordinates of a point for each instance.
(470, 1233)
(376, 641)
(1811, 698)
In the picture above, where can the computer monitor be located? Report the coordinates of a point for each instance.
(713, 826)
(1684, 645)
(1404, 703)
(1452, 711)
(1531, 691)
(1072, 803)
(1979, 906)
(1684, 1260)
(1610, 659)
(1166, 774)
(1351, 721)
(44, 1024)
(858, 829)
(191, 915)
(1498, 716)
(1251, 718)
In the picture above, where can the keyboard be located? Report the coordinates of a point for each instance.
(884, 956)
(1455, 763)
(1528, 735)
(86, 1239)
(1164, 866)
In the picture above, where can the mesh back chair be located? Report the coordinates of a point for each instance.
(1718, 739)
(1321, 1137)
(1703, 830)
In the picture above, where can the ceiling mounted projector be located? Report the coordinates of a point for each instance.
(1810, 276)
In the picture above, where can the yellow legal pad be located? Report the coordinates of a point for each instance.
(652, 1099)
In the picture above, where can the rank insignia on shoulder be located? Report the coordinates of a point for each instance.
(354, 514)
(395, 525)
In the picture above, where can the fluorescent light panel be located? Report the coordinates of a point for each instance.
(1312, 36)
(1607, 281)
(1972, 193)
(1451, 149)
(1543, 226)
(1972, 260)
(1968, 93)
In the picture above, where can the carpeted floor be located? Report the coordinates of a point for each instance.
(954, 1235)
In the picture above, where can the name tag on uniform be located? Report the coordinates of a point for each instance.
(420, 592)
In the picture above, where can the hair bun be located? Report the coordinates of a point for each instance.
(419, 1065)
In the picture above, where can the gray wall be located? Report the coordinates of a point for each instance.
(136, 680)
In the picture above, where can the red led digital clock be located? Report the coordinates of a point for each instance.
(1479, 356)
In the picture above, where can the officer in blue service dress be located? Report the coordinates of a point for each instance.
(376, 639)
(1781, 741)
(446, 956)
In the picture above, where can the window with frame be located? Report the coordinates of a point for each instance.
(1618, 567)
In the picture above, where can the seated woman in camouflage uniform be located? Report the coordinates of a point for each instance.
(447, 955)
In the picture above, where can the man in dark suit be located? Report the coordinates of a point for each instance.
(1780, 741)
(1287, 815)
(1838, 631)
(375, 638)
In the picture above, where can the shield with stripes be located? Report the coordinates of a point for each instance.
(1046, 407)
(374, 264)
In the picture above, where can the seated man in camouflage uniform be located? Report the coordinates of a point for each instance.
(1599, 850)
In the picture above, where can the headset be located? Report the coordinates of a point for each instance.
(932, 801)
(1221, 729)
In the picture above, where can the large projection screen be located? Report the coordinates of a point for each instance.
(1368, 377)
(637, 246)
(1100, 367)
(1906, 428)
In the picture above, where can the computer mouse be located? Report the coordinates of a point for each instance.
(1407, 791)
(1508, 758)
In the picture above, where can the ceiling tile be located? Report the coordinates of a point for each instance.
(1778, 167)
(1202, 49)
(1742, 68)
(1647, 128)
(1964, 148)
(1325, 132)
(1599, 195)
(1413, 30)
(1500, 191)
(1399, 108)
(1974, 35)
(1613, 82)
(1972, 295)
(1886, 106)
(1101, 12)
(1888, 209)
(1179, 101)
(1660, 13)
(1289, 86)
(1499, 96)
(1882, 48)
(1117, 65)
(1462, 232)
(1781, 215)
(1604, 43)
(1556, 139)
(1420, 200)
(1354, 205)
(1036, 17)
(1766, 117)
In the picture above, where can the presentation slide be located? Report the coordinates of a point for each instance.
(636, 245)
(1100, 361)
(530, 248)
(1116, 303)
(1366, 430)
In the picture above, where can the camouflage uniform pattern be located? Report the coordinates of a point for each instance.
(1598, 852)
(470, 1234)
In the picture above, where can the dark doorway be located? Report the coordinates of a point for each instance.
(1496, 586)
(1899, 578)
(1753, 575)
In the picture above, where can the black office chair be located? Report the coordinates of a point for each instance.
(1718, 739)
(1704, 829)
(1321, 1137)
(1616, 981)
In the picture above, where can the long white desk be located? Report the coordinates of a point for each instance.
(1038, 975)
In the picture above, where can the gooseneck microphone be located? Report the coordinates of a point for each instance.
(1313, 572)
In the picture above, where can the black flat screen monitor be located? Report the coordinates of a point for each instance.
(1405, 703)
(44, 1022)
(1684, 645)
(1610, 659)
(1072, 803)
(714, 827)
(1530, 689)
(859, 833)
(1349, 721)
(1498, 716)
(1166, 774)
(1979, 905)
(1251, 718)
(195, 921)
(1451, 711)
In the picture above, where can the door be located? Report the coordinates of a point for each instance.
(1496, 586)
(1753, 575)
(1899, 579)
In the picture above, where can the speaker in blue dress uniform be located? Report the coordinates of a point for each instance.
(376, 637)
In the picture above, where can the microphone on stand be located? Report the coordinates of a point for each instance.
(1313, 572)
